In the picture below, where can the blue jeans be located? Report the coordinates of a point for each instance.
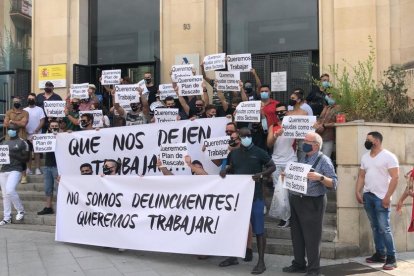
(50, 175)
(380, 224)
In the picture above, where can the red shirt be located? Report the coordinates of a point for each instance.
(270, 112)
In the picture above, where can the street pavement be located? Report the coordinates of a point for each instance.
(28, 252)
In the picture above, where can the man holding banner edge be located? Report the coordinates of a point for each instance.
(250, 159)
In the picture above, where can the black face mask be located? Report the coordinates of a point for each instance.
(17, 105)
(48, 90)
(292, 102)
(248, 90)
(368, 145)
(147, 81)
(134, 108)
(54, 130)
(232, 143)
(31, 102)
(89, 173)
(280, 115)
(106, 171)
(75, 106)
(84, 124)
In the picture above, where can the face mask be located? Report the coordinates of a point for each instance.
(307, 147)
(280, 117)
(232, 143)
(106, 171)
(264, 124)
(17, 105)
(329, 100)
(292, 102)
(88, 173)
(75, 106)
(134, 108)
(246, 141)
(248, 90)
(368, 145)
(326, 84)
(54, 130)
(84, 124)
(147, 81)
(12, 133)
(31, 102)
(264, 95)
(199, 109)
(48, 89)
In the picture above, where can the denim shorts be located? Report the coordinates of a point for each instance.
(50, 175)
(257, 216)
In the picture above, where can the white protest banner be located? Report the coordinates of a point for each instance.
(215, 62)
(164, 115)
(242, 62)
(248, 111)
(296, 177)
(217, 148)
(190, 86)
(143, 86)
(136, 147)
(278, 81)
(110, 77)
(126, 93)
(167, 90)
(4, 154)
(173, 155)
(55, 108)
(297, 126)
(44, 142)
(97, 117)
(228, 81)
(79, 91)
(179, 214)
(179, 71)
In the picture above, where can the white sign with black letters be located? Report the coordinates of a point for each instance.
(55, 108)
(228, 81)
(167, 90)
(44, 142)
(110, 77)
(296, 177)
(278, 81)
(297, 126)
(173, 155)
(217, 148)
(242, 62)
(248, 112)
(190, 86)
(79, 91)
(4, 154)
(179, 71)
(163, 115)
(215, 62)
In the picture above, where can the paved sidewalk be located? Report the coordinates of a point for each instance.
(25, 252)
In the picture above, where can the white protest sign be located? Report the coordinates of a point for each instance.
(242, 62)
(217, 148)
(228, 81)
(215, 62)
(156, 105)
(179, 71)
(248, 112)
(143, 86)
(297, 126)
(189, 214)
(190, 86)
(173, 155)
(110, 77)
(79, 91)
(97, 117)
(55, 108)
(136, 147)
(164, 115)
(296, 177)
(126, 94)
(167, 90)
(44, 142)
(278, 81)
(4, 154)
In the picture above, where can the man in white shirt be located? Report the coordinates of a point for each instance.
(34, 126)
(378, 176)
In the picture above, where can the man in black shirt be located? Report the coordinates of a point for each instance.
(250, 159)
(48, 95)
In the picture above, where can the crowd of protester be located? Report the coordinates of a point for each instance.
(274, 150)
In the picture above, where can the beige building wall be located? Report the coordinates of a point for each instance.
(60, 36)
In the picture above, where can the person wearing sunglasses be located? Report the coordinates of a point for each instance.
(250, 159)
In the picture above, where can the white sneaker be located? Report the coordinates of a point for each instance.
(29, 171)
(4, 222)
(20, 216)
(38, 171)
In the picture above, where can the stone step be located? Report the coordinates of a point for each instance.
(30, 227)
(274, 232)
(329, 219)
(329, 250)
(32, 218)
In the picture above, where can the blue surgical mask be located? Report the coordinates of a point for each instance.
(326, 84)
(12, 133)
(246, 141)
(306, 147)
(329, 100)
(264, 95)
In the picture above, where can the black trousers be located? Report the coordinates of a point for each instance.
(306, 229)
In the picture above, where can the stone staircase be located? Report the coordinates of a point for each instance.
(278, 239)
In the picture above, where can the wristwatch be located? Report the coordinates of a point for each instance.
(322, 178)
